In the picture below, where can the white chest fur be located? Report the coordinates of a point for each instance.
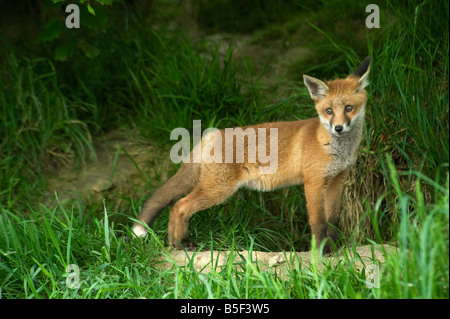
(343, 149)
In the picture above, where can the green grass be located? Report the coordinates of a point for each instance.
(36, 249)
(124, 74)
(420, 268)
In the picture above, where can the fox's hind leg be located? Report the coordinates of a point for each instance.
(201, 197)
(177, 186)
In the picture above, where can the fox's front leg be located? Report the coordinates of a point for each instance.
(314, 192)
(332, 201)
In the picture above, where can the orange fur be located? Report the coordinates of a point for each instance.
(310, 152)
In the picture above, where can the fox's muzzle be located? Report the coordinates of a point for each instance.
(338, 128)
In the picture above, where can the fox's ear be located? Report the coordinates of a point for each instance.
(362, 74)
(317, 88)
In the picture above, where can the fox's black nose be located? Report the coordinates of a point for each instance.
(339, 128)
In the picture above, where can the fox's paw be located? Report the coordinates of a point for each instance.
(189, 245)
(184, 245)
(327, 250)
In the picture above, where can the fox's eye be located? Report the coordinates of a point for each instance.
(348, 108)
(329, 111)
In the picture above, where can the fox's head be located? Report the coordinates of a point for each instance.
(340, 103)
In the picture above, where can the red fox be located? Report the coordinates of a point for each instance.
(316, 152)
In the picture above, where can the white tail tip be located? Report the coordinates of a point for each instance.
(139, 230)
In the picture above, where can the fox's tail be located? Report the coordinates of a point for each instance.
(177, 186)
